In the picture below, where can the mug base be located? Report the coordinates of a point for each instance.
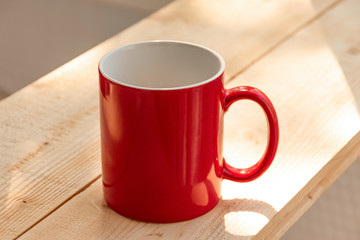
(185, 215)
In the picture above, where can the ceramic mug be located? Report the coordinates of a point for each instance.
(162, 106)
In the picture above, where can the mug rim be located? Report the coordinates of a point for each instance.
(214, 53)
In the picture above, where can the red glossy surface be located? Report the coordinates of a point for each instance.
(162, 150)
(162, 156)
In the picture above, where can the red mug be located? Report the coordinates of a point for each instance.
(162, 106)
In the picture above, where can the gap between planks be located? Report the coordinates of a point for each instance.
(60, 205)
(284, 39)
(294, 216)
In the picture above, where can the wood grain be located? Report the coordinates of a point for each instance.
(313, 80)
(49, 130)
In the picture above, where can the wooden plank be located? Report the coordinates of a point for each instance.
(93, 219)
(49, 130)
(313, 80)
(235, 29)
(312, 191)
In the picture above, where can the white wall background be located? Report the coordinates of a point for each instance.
(37, 36)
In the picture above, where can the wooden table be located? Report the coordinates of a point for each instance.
(304, 54)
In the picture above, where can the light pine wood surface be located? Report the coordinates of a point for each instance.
(304, 54)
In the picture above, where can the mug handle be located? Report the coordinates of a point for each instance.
(255, 171)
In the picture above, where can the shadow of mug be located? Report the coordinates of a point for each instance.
(222, 222)
(258, 213)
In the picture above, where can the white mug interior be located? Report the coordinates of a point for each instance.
(162, 65)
